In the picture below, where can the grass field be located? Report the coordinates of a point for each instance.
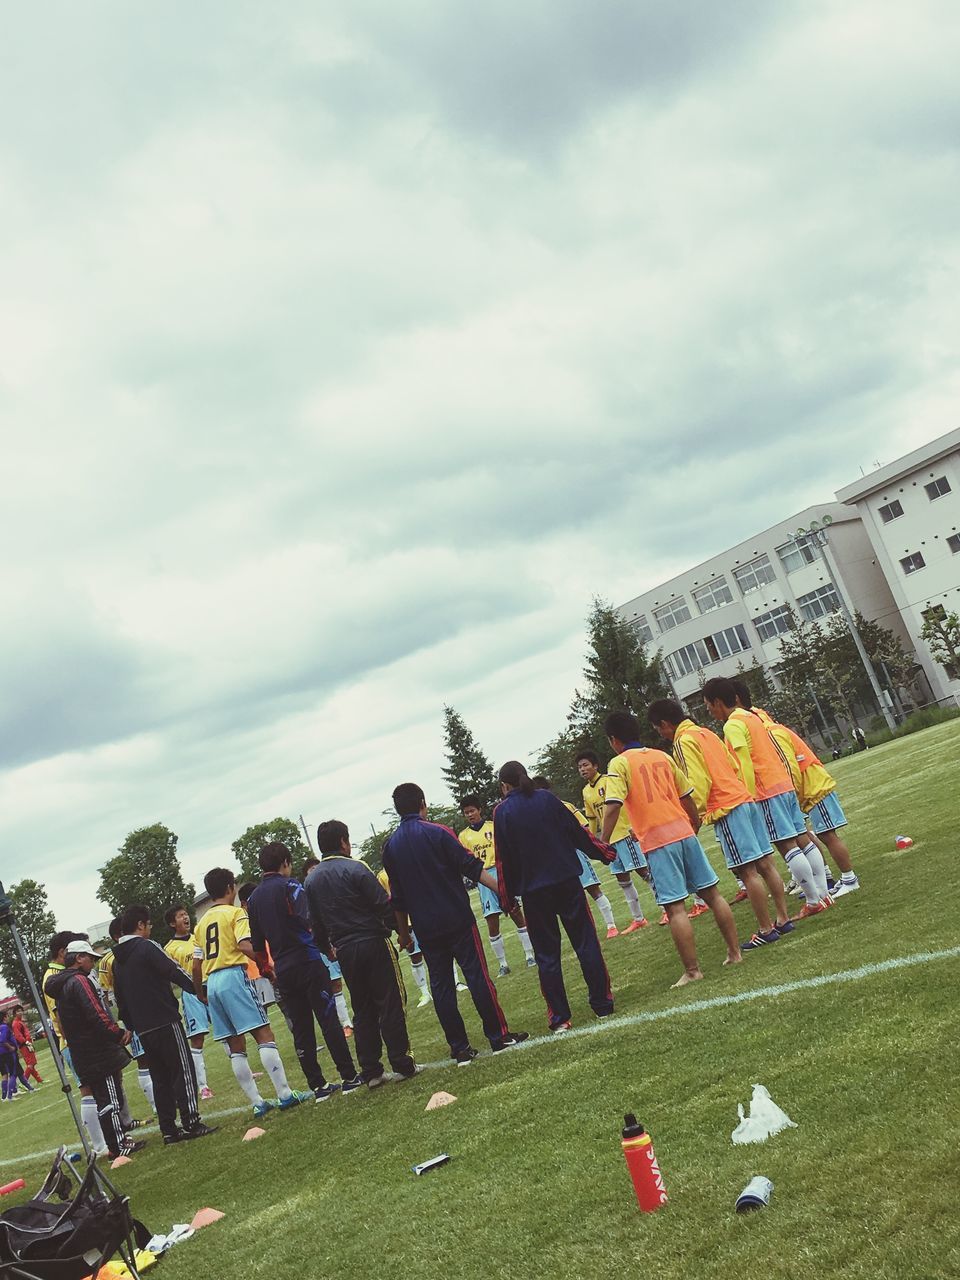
(866, 1186)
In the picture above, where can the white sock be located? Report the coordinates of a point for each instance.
(91, 1121)
(270, 1057)
(343, 1013)
(200, 1067)
(848, 877)
(146, 1084)
(698, 901)
(498, 948)
(603, 903)
(420, 975)
(126, 1115)
(740, 885)
(458, 975)
(241, 1069)
(802, 872)
(633, 901)
(817, 866)
(525, 942)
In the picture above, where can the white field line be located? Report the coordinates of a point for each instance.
(628, 1020)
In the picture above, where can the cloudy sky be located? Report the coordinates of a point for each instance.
(347, 350)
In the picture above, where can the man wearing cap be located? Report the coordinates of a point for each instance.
(96, 1042)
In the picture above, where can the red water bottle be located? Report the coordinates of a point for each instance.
(642, 1163)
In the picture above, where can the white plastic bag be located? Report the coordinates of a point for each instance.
(765, 1119)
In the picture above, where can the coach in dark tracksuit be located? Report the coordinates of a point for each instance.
(143, 980)
(279, 917)
(427, 864)
(350, 910)
(536, 839)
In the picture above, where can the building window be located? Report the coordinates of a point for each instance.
(892, 511)
(775, 623)
(937, 488)
(910, 564)
(713, 595)
(794, 555)
(685, 661)
(731, 640)
(754, 574)
(817, 604)
(953, 542)
(671, 615)
(641, 626)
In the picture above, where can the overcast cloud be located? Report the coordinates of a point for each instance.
(346, 351)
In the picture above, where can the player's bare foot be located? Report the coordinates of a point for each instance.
(734, 959)
(685, 978)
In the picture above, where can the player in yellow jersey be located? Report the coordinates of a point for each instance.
(195, 1017)
(222, 948)
(589, 880)
(477, 837)
(416, 955)
(630, 860)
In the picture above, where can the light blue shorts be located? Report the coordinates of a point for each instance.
(742, 835)
(195, 1016)
(235, 1007)
(135, 1047)
(679, 869)
(780, 816)
(65, 1055)
(333, 968)
(827, 814)
(489, 902)
(416, 944)
(629, 857)
(588, 877)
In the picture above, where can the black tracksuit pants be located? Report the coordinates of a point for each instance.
(107, 1093)
(465, 947)
(371, 972)
(305, 991)
(170, 1064)
(546, 909)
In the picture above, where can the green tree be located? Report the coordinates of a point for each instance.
(941, 635)
(146, 869)
(247, 847)
(37, 924)
(467, 769)
(555, 761)
(371, 848)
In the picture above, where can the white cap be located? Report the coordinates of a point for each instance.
(81, 948)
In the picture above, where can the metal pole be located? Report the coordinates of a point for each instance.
(7, 918)
(306, 833)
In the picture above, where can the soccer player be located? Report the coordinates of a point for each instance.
(222, 948)
(106, 982)
(589, 879)
(629, 857)
(144, 977)
(427, 865)
(96, 1041)
(88, 1104)
(21, 1033)
(351, 911)
(537, 840)
(768, 780)
(280, 918)
(816, 793)
(8, 1059)
(723, 800)
(196, 1021)
(657, 797)
(477, 838)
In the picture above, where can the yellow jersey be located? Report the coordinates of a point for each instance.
(480, 843)
(49, 1001)
(216, 936)
(576, 813)
(384, 881)
(594, 798)
(712, 771)
(649, 785)
(105, 972)
(180, 951)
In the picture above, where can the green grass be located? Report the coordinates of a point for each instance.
(864, 1187)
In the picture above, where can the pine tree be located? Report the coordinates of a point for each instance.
(467, 769)
(619, 676)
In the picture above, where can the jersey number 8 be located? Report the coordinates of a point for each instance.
(212, 940)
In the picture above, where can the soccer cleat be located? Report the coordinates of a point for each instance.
(613, 932)
(664, 919)
(128, 1149)
(794, 888)
(376, 1081)
(134, 1124)
(425, 999)
(809, 909)
(406, 1075)
(740, 896)
(559, 1029)
(785, 927)
(326, 1091)
(200, 1130)
(351, 1086)
(634, 925)
(760, 940)
(826, 900)
(466, 1056)
(263, 1108)
(697, 910)
(170, 1138)
(531, 962)
(295, 1099)
(206, 1094)
(503, 971)
(843, 887)
(512, 1038)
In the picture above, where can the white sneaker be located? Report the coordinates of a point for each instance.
(794, 888)
(462, 986)
(844, 886)
(424, 1000)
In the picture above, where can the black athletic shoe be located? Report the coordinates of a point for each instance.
(466, 1056)
(510, 1039)
(134, 1124)
(169, 1139)
(200, 1130)
(128, 1149)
